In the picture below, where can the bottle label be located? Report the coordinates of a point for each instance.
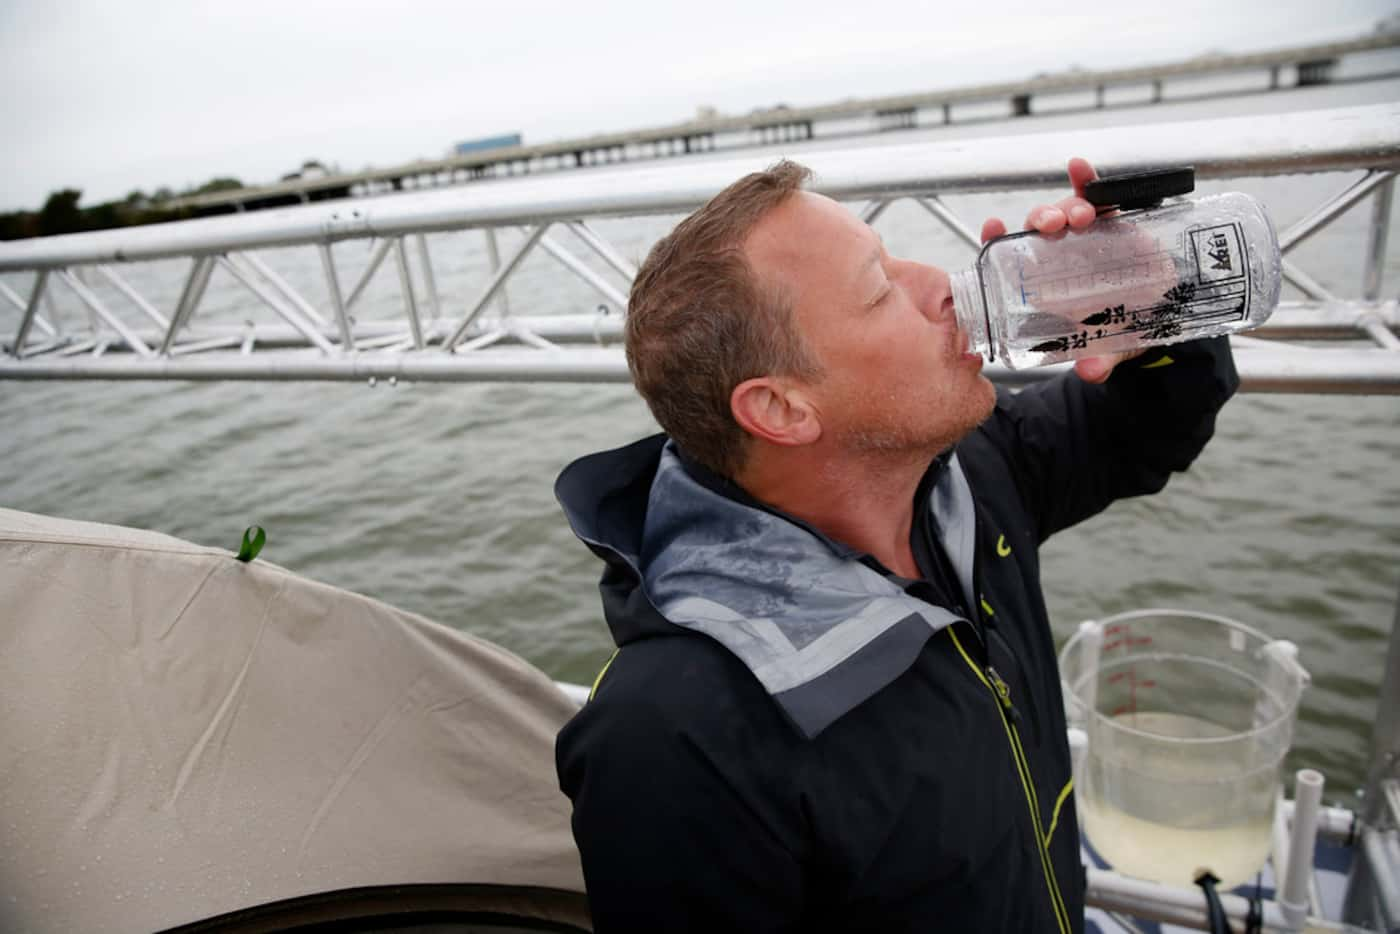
(1204, 291)
(1219, 258)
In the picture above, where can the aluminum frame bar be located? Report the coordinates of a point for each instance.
(249, 279)
(604, 249)
(872, 211)
(498, 280)
(429, 280)
(376, 258)
(86, 296)
(1375, 328)
(1261, 371)
(935, 206)
(281, 285)
(135, 297)
(577, 267)
(1332, 209)
(39, 320)
(31, 310)
(195, 284)
(1305, 283)
(410, 303)
(1293, 320)
(347, 336)
(1375, 246)
(493, 253)
(1340, 139)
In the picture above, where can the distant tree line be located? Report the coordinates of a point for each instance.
(61, 213)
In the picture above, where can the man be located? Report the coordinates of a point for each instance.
(835, 705)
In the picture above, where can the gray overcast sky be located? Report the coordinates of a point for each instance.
(123, 94)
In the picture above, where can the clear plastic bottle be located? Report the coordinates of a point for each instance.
(1157, 273)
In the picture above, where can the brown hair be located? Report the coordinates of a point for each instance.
(700, 320)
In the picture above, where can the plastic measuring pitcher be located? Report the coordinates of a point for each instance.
(1188, 717)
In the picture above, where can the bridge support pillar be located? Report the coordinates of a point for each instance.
(1021, 105)
(1316, 72)
(1273, 78)
(1157, 90)
(1098, 97)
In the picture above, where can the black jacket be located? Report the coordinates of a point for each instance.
(937, 796)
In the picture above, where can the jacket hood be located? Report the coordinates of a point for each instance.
(820, 629)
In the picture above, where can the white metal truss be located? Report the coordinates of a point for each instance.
(476, 336)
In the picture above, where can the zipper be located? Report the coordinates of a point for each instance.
(1009, 716)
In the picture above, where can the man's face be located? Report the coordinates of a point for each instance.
(896, 372)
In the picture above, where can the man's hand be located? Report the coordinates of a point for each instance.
(1076, 214)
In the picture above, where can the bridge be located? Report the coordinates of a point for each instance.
(1310, 65)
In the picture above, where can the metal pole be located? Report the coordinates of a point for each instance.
(288, 314)
(410, 304)
(281, 285)
(1330, 210)
(497, 281)
(577, 267)
(115, 323)
(189, 298)
(18, 302)
(1367, 893)
(1375, 248)
(600, 246)
(378, 257)
(873, 210)
(493, 251)
(347, 339)
(146, 307)
(424, 257)
(30, 311)
(935, 206)
(1306, 283)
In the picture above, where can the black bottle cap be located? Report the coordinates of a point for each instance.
(1140, 189)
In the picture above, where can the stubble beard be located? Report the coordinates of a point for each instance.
(893, 434)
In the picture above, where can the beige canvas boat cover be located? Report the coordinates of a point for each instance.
(183, 734)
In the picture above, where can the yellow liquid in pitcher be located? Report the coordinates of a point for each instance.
(1225, 814)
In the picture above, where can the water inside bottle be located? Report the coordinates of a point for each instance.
(1133, 291)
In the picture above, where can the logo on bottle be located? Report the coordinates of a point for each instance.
(1219, 257)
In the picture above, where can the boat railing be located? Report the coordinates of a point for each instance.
(313, 331)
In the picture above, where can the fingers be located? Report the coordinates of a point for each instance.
(1081, 173)
(1075, 213)
(1099, 369)
(1095, 369)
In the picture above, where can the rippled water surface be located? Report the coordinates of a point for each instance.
(437, 498)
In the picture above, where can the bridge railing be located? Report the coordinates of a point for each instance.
(317, 334)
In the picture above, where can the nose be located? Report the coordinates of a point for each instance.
(928, 287)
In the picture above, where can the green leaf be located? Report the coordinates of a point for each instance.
(253, 539)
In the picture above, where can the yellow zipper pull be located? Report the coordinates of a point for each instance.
(1003, 693)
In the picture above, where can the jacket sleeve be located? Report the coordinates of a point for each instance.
(669, 841)
(1075, 447)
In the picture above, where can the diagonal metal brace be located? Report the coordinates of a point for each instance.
(502, 274)
(86, 296)
(288, 314)
(1335, 207)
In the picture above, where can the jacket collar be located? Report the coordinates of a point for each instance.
(819, 627)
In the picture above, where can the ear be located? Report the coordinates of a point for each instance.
(774, 411)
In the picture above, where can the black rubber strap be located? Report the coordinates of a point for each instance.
(1215, 912)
